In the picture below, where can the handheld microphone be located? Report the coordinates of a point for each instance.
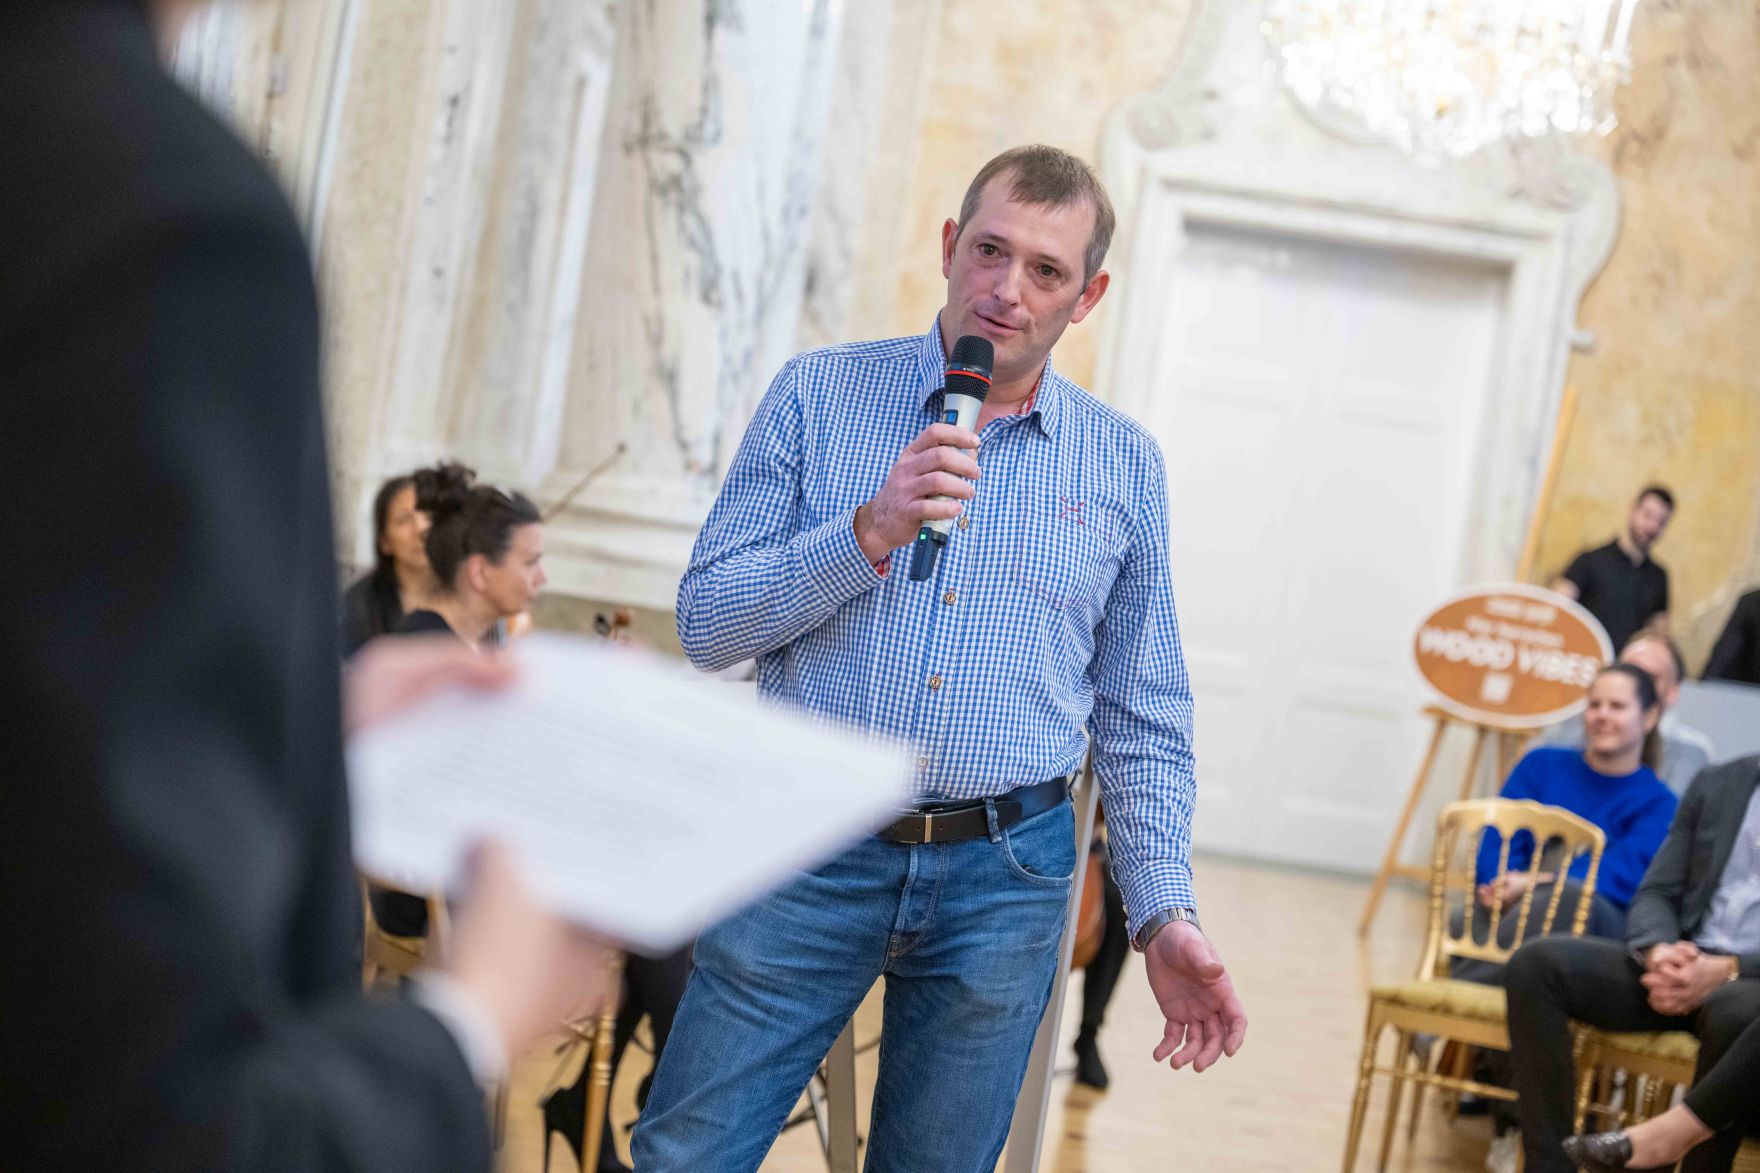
(968, 381)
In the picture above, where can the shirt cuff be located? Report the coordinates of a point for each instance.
(834, 561)
(1159, 886)
(464, 1016)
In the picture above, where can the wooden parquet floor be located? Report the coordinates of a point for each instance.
(1280, 1105)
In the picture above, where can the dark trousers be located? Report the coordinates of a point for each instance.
(1556, 979)
(653, 988)
(1100, 977)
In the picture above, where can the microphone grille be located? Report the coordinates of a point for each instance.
(973, 351)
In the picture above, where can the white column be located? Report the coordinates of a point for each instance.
(694, 273)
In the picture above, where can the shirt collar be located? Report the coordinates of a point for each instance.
(932, 365)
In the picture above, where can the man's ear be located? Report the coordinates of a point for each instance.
(949, 237)
(1091, 295)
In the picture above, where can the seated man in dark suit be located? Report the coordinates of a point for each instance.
(1691, 962)
(1736, 655)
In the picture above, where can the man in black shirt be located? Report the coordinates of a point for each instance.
(1737, 654)
(1618, 583)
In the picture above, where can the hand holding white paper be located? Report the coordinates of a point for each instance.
(643, 802)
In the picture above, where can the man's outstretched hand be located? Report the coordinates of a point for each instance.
(1205, 1019)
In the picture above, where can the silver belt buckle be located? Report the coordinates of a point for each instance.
(928, 826)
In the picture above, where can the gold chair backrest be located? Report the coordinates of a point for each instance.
(1559, 839)
(381, 952)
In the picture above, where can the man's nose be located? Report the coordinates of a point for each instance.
(1008, 285)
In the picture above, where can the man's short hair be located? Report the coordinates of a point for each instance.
(1046, 177)
(1658, 492)
(1651, 635)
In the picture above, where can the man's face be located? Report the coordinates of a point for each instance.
(1653, 657)
(1644, 525)
(1015, 276)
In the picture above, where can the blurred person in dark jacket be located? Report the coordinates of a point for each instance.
(181, 979)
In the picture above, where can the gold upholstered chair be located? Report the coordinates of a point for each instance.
(386, 958)
(1656, 1064)
(1462, 1012)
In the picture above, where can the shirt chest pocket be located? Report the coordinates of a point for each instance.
(1068, 556)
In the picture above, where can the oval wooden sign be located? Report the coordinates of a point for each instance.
(1511, 654)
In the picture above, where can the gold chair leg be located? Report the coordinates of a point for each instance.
(1588, 1062)
(599, 1086)
(1401, 1063)
(1359, 1105)
(1652, 1096)
(1419, 1091)
(499, 1131)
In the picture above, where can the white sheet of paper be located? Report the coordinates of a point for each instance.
(642, 801)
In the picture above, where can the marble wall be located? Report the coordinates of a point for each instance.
(549, 230)
(1671, 392)
(694, 275)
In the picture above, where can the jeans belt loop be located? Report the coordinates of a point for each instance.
(990, 820)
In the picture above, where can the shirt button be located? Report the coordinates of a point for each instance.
(935, 681)
(964, 521)
(950, 598)
(922, 763)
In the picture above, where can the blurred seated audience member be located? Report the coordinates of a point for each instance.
(1723, 1100)
(486, 548)
(652, 988)
(1619, 583)
(1736, 655)
(180, 985)
(1100, 975)
(1608, 783)
(1685, 750)
(400, 581)
(1690, 962)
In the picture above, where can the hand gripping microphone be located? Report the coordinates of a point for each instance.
(968, 381)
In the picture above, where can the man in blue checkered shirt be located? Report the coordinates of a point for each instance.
(1048, 621)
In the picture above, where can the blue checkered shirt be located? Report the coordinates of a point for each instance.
(1051, 611)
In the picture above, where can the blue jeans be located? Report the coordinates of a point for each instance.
(966, 935)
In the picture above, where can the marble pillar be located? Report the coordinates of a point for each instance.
(694, 274)
(452, 255)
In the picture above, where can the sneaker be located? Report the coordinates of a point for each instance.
(1505, 1154)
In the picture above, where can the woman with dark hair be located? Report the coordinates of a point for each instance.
(486, 548)
(1611, 782)
(401, 579)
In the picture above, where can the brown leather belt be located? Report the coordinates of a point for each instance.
(948, 822)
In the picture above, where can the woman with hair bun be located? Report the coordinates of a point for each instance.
(486, 547)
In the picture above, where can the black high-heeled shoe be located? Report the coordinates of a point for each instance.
(1601, 1153)
(1090, 1071)
(565, 1112)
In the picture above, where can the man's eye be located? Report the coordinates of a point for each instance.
(1047, 271)
(988, 250)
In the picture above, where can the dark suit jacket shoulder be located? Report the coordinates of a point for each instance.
(181, 975)
(1675, 895)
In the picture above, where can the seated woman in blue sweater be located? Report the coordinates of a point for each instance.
(1612, 783)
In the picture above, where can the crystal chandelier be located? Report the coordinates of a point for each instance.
(1447, 77)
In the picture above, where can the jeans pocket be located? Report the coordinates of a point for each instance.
(1042, 849)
